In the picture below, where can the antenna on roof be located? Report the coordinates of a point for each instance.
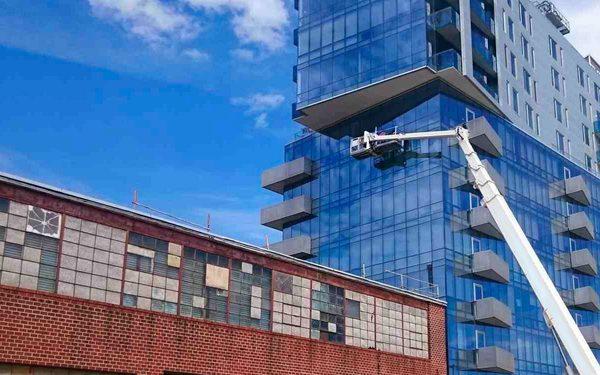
(136, 204)
(267, 242)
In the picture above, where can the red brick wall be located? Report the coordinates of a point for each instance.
(43, 329)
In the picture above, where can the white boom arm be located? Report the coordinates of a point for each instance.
(555, 309)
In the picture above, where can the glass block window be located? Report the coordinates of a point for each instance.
(217, 287)
(197, 299)
(250, 298)
(415, 332)
(152, 274)
(4, 205)
(360, 319)
(27, 259)
(291, 304)
(91, 264)
(389, 326)
(327, 314)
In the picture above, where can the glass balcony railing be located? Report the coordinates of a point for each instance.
(444, 18)
(597, 127)
(486, 55)
(485, 17)
(446, 59)
(489, 88)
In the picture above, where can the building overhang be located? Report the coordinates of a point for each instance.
(327, 113)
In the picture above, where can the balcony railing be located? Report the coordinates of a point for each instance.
(490, 89)
(597, 127)
(444, 18)
(486, 54)
(446, 59)
(485, 17)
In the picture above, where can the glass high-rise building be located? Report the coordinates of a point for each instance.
(411, 218)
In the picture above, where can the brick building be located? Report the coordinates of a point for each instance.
(87, 286)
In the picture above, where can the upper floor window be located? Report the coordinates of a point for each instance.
(527, 81)
(530, 25)
(525, 47)
(553, 48)
(560, 142)
(523, 15)
(477, 292)
(597, 92)
(509, 2)
(555, 79)
(511, 29)
(578, 317)
(475, 245)
(474, 201)
(479, 339)
(513, 64)
(584, 105)
(515, 100)
(586, 134)
(566, 173)
(588, 162)
(580, 76)
(558, 114)
(532, 57)
(530, 118)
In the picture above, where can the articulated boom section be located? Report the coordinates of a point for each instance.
(373, 144)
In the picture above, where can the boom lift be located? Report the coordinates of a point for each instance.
(556, 313)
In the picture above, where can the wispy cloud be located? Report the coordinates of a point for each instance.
(245, 54)
(261, 121)
(173, 23)
(259, 102)
(259, 105)
(585, 28)
(263, 22)
(196, 55)
(154, 21)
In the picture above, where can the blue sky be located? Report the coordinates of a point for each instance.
(186, 101)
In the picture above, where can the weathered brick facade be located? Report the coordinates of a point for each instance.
(45, 329)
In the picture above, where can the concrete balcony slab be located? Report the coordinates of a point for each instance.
(284, 176)
(492, 312)
(298, 247)
(288, 212)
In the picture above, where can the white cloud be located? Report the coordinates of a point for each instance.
(259, 102)
(261, 105)
(154, 21)
(173, 26)
(244, 54)
(261, 121)
(196, 54)
(263, 22)
(585, 28)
